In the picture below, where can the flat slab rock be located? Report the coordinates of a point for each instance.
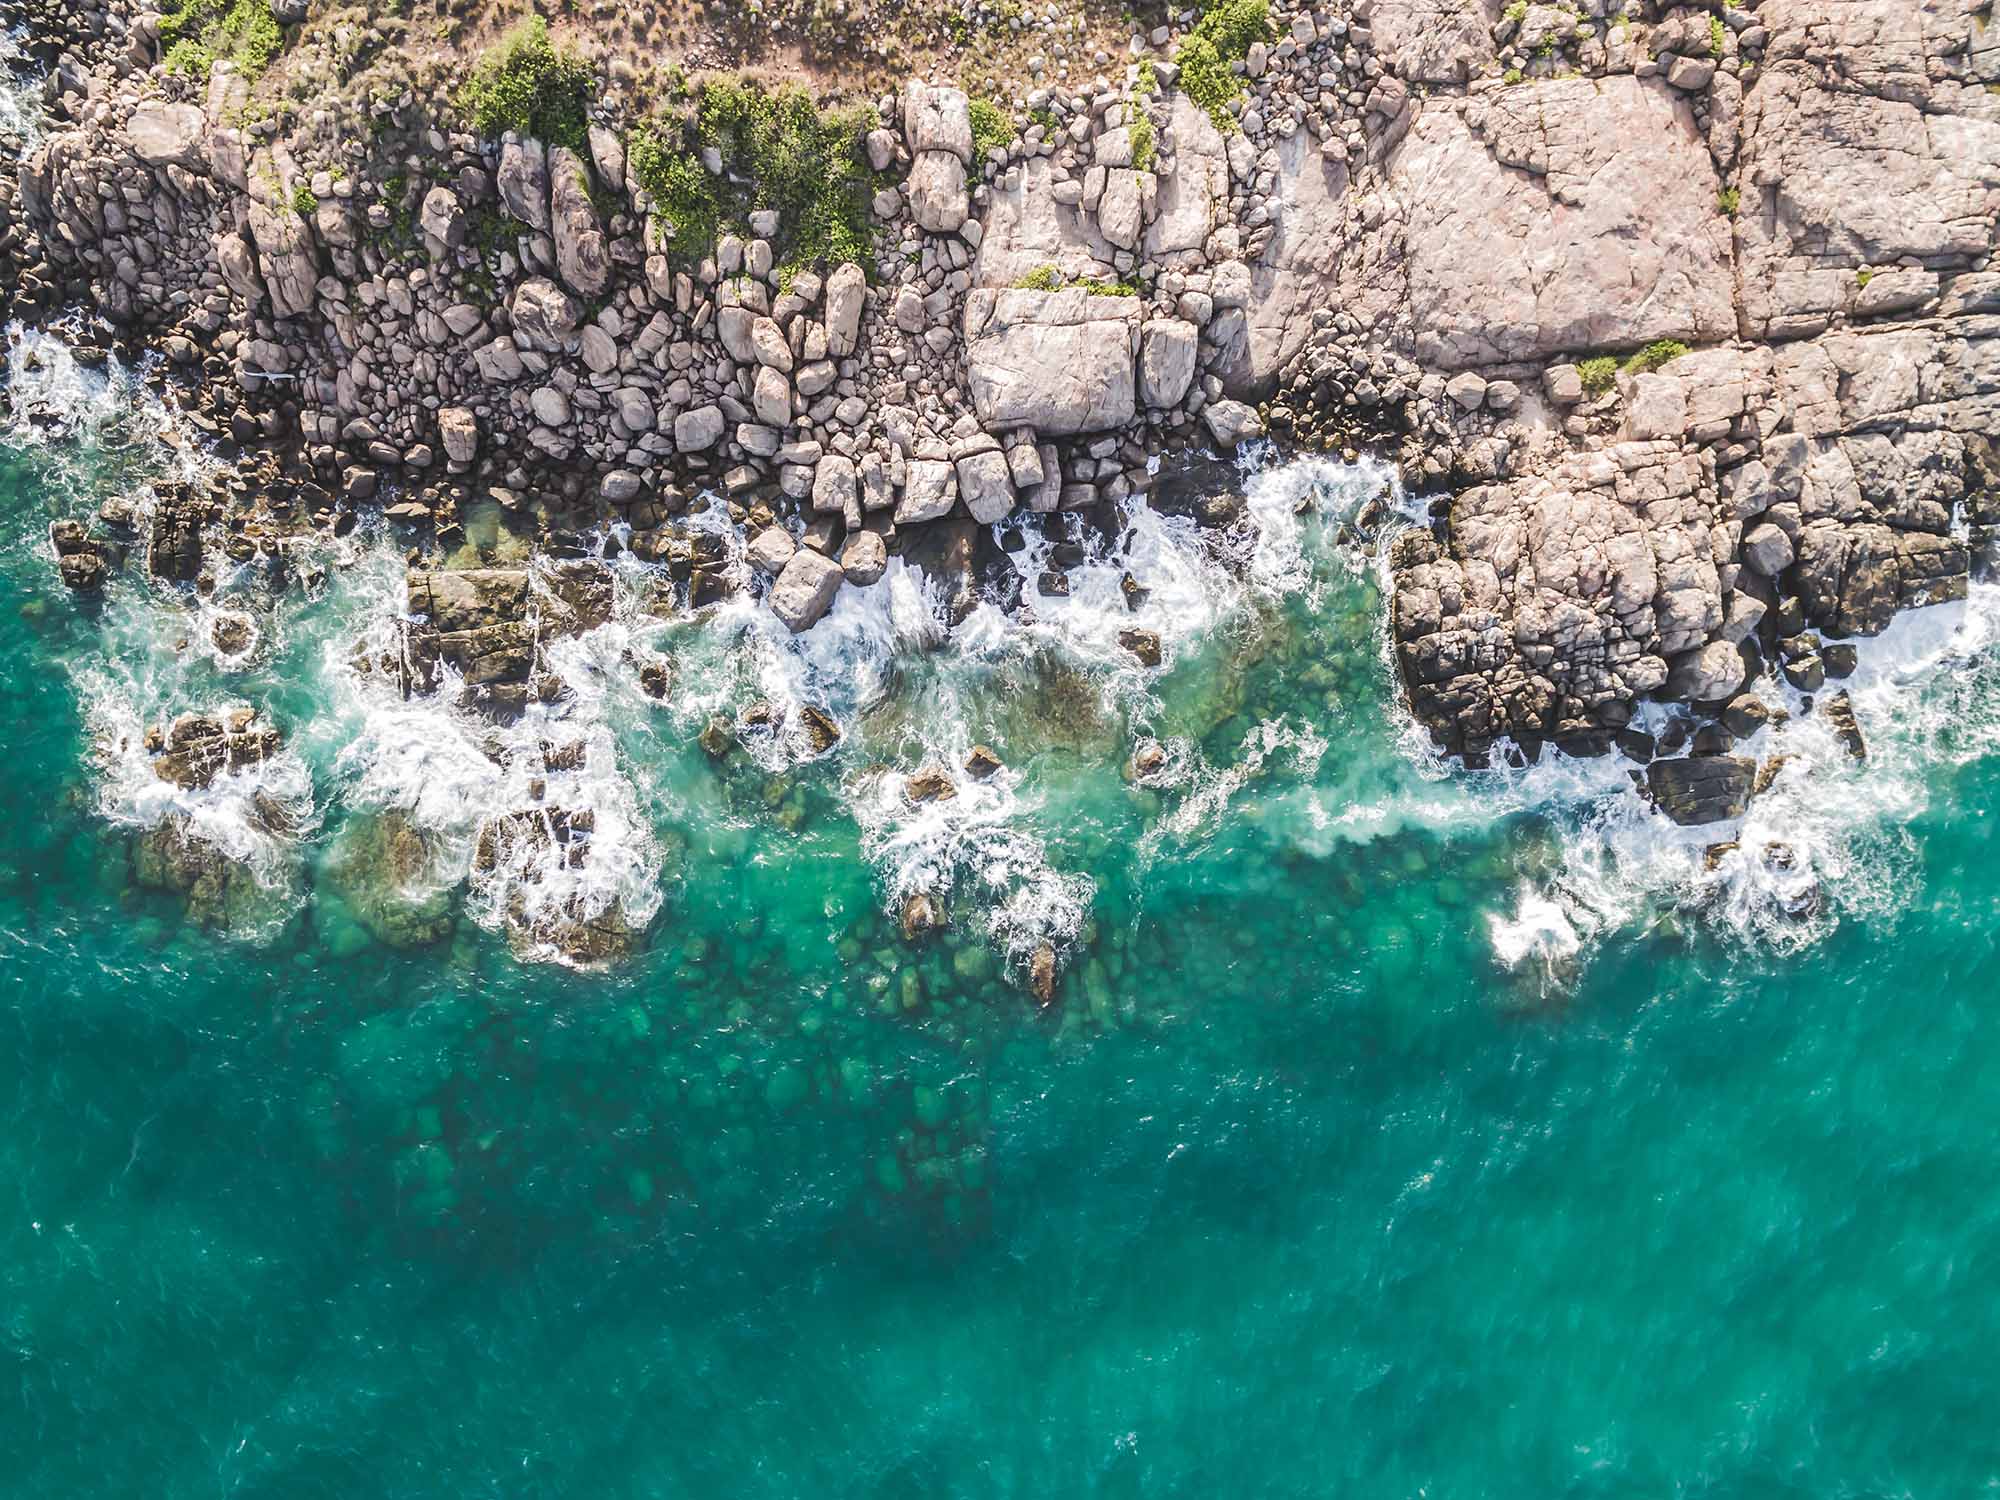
(1697, 790)
(1058, 362)
(1574, 214)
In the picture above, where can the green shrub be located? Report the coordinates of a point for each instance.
(1729, 200)
(1108, 288)
(1862, 278)
(1655, 354)
(779, 151)
(1146, 79)
(1516, 13)
(195, 34)
(304, 203)
(1142, 140)
(527, 84)
(1717, 35)
(680, 186)
(992, 130)
(1598, 374)
(1041, 279)
(1222, 36)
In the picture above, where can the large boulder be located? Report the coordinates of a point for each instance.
(1702, 789)
(804, 591)
(583, 255)
(168, 135)
(286, 257)
(1058, 362)
(937, 117)
(936, 190)
(543, 313)
(1167, 348)
(524, 182)
(846, 296)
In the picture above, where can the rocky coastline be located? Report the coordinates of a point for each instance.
(1683, 319)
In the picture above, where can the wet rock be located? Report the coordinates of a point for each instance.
(930, 784)
(804, 591)
(821, 732)
(920, 915)
(232, 634)
(1042, 974)
(981, 763)
(1143, 644)
(1838, 709)
(1702, 789)
(196, 748)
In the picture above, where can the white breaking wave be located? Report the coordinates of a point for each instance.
(1828, 839)
(538, 818)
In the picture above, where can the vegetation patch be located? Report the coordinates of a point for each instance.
(1041, 279)
(992, 130)
(1222, 36)
(1655, 354)
(779, 151)
(1598, 374)
(305, 203)
(1729, 200)
(1718, 36)
(1143, 148)
(527, 84)
(196, 34)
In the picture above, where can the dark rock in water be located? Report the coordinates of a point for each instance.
(384, 871)
(470, 599)
(715, 737)
(1635, 744)
(820, 730)
(1187, 486)
(981, 763)
(566, 757)
(1806, 673)
(82, 572)
(196, 748)
(1042, 974)
(655, 678)
(1134, 591)
(1674, 738)
(219, 892)
(1713, 856)
(1839, 713)
(1149, 757)
(231, 634)
(1712, 739)
(1840, 659)
(1768, 773)
(920, 915)
(174, 550)
(931, 784)
(1746, 713)
(1701, 789)
(1144, 644)
(1053, 584)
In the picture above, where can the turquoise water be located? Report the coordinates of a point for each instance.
(1396, 1130)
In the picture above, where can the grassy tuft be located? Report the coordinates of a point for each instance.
(779, 151)
(527, 84)
(1041, 279)
(1142, 140)
(1599, 374)
(196, 34)
(1655, 354)
(1222, 36)
(992, 130)
(304, 202)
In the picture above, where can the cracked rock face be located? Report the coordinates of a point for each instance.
(1058, 362)
(1577, 214)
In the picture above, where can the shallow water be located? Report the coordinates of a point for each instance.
(1395, 1126)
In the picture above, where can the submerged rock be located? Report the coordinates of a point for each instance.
(385, 874)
